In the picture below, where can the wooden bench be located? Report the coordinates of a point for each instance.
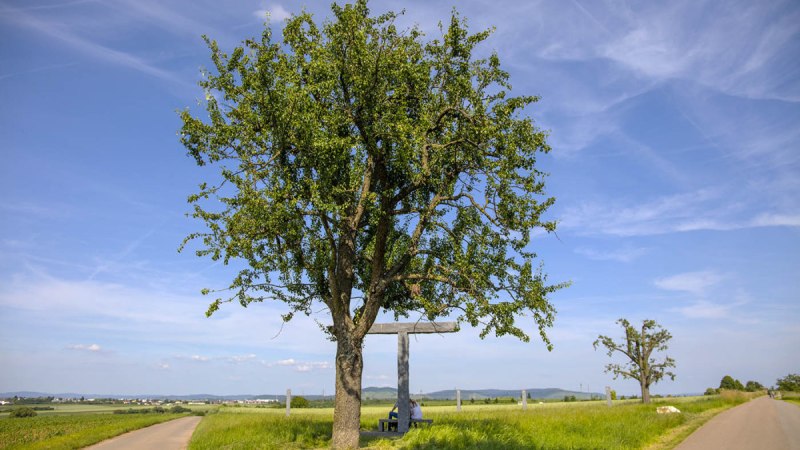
(382, 423)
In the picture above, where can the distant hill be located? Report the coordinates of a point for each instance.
(368, 393)
(388, 393)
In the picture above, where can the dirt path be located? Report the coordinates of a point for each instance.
(172, 435)
(762, 423)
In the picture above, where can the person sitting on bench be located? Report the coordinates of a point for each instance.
(416, 411)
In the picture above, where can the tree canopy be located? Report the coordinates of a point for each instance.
(366, 170)
(638, 347)
(790, 382)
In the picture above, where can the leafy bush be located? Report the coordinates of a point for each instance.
(299, 402)
(731, 384)
(22, 411)
(177, 409)
(711, 391)
(753, 386)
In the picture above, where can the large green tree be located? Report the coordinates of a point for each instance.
(366, 170)
(790, 383)
(638, 347)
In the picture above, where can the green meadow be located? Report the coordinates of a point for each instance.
(575, 425)
(71, 430)
(555, 425)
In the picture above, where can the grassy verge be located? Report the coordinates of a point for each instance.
(71, 431)
(791, 397)
(546, 426)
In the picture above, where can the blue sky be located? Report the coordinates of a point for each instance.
(675, 129)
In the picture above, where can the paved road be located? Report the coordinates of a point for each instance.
(762, 423)
(172, 435)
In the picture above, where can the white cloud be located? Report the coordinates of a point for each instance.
(276, 12)
(199, 358)
(302, 366)
(705, 310)
(241, 358)
(627, 253)
(715, 209)
(94, 348)
(776, 220)
(694, 282)
(93, 49)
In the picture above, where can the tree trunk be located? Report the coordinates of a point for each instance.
(645, 392)
(347, 406)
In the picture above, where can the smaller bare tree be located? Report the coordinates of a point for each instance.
(639, 346)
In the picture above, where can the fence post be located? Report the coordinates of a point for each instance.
(288, 402)
(458, 399)
(608, 396)
(524, 399)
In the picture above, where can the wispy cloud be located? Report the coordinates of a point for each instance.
(704, 209)
(242, 358)
(625, 254)
(694, 282)
(129, 248)
(91, 348)
(276, 13)
(302, 366)
(705, 310)
(88, 47)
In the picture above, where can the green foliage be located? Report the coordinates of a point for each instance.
(638, 347)
(789, 383)
(365, 169)
(753, 386)
(299, 402)
(731, 384)
(613, 394)
(711, 391)
(22, 411)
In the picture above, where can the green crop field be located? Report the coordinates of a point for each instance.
(73, 408)
(627, 425)
(71, 431)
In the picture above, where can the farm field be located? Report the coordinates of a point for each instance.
(627, 425)
(74, 409)
(71, 430)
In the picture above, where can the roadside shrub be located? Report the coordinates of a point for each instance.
(299, 402)
(711, 391)
(22, 411)
(177, 409)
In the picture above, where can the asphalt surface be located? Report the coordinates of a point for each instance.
(759, 424)
(172, 435)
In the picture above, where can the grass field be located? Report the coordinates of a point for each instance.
(71, 431)
(791, 397)
(627, 425)
(73, 409)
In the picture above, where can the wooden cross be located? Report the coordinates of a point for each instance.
(402, 330)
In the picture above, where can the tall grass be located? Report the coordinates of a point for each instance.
(627, 425)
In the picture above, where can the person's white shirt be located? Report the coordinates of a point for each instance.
(416, 412)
